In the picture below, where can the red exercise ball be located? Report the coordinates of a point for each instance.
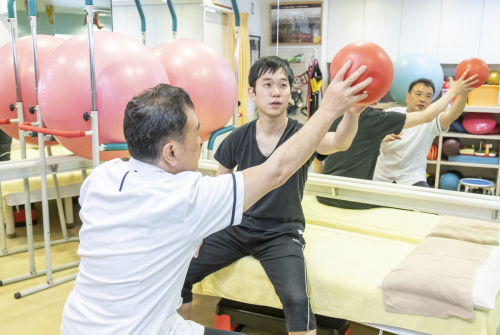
(475, 66)
(495, 130)
(46, 44)
(207, 77)
(479, 123)
(124, 67)
(378, 63)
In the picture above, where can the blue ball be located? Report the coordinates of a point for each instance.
(457, 125)
(449, 181)
(411, 67)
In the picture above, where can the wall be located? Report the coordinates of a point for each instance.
(448, 30)
(126, 20)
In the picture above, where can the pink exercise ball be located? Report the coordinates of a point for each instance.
(124, 67)
(46, 44)
(479, 123)
(207, 77)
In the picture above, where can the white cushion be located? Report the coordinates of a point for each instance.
(487, 282)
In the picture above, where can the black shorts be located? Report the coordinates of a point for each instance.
(281, 254)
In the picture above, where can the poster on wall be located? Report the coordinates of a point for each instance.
(299, 23)
(254, 49)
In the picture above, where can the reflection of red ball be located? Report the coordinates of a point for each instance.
(475, 66)
(479, 123)
(378, 63)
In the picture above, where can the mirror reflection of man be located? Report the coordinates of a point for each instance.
(404, 161)
(5, 144)
(378, 129)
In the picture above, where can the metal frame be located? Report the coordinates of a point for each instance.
(38, 127)
(15, 166)
(236, 50)
(474, 206)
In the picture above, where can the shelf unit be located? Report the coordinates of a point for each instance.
(436, 164)
(442, 137)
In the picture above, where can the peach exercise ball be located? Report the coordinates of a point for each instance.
(46, 44)
(124, 67)
(207, 77)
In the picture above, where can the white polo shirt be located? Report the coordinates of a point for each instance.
(141, 227)
(405, 161)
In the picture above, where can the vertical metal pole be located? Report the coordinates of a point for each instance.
(41, 149)
(236, 50)
(22, 141)
(60, 208)
(3, 234)
(278, 29)
(93, 114)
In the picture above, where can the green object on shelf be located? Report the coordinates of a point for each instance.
(296, 59)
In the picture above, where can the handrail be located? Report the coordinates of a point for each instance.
(236, 13)
(68, 134)
(10, 9)
(217, 133)
(174, 17)
(32, 7)
(8, 121)
(114, 146)
(141, 14)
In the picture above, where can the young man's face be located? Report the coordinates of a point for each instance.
(419, 98)
(272, 93)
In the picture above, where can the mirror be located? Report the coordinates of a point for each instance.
(63, 18)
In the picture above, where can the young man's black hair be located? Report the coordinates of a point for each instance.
(154, 117)
(426, 82)
(269, 64)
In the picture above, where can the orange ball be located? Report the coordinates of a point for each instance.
(475, 66)
(378, 63)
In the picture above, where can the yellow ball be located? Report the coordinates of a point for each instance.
(493, 77)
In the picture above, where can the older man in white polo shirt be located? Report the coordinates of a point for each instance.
(403, 159)
(143, 219)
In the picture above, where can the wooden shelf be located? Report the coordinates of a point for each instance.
(465, 135)
(486, 166)
(479, 109)
(432, 162)
(472, 109)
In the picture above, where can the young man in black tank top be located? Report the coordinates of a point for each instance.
(271, 230)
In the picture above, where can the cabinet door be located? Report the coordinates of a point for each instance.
(460, 30)
(345, 25)
(489, 46)
(420, 27)
(382, 24)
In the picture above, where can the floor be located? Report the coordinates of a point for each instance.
(41, 313)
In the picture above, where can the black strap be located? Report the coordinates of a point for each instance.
(234, 199)
(125, 176)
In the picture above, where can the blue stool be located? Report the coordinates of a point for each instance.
(476, 183)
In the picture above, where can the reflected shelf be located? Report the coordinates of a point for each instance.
(465, 135)
(486, 166)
